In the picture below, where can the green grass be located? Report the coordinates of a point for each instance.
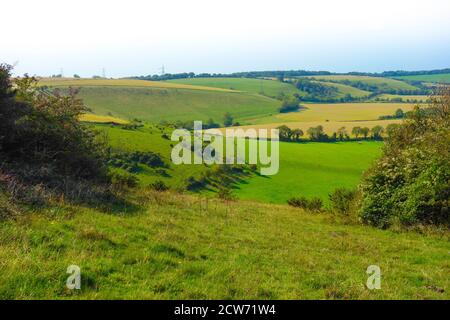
(154, 104)
(175, 248)
(380, 83)
(150, 139)
(271, 88)
(306, 169)
(312, 170)
(439, 78)
(343, 90)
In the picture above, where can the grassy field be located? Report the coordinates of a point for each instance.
(271, 88)
(439, 78)
(177, 247)
(150, 139)
(66, 82)
(343, 90)
(155, 104)
(380, 83)
(327, 165)
(319, 169)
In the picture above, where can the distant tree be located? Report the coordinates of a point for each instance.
(76, 76)
(288, 105)
(365, 132)
(296, 134)
(356, 131)
(285, 133)
(390, 128)
(377, 131)
(211, 124)
(342, 133)
(316, 133)
(227, 119)
(399, 113)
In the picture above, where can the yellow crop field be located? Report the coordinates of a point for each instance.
(66, 82)
(343, 112)
(89, 117)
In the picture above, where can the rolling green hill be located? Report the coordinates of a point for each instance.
(343, 90)
(438, 78)
(378, 82)
(271, 88)
(156, 101)
(328, 165)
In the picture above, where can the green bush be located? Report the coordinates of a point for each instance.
(159, 186)
(193, 183)
(122, 180)
(225, 194)
(410, 182)
(313, 204)
(342, 200)
(41, 129)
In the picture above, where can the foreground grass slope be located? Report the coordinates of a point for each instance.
(177, 247)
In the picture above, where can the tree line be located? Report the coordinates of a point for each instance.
(280, 74)
(318, 134)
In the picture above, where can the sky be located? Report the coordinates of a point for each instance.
(133, 37)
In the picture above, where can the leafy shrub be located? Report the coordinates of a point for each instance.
(193, 183)
(410, 182)
(131, 161)
(42, 128)
(313, 204)
(225, 194)
(159, 186)
(342, 199)
(122, 180)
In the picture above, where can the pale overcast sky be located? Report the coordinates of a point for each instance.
(137, 37)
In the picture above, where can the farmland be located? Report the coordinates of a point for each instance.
(343, 111)
(89, 117)
(188, 244)
(67, 82)
(437, 78)
(318, 162)
(345, 89)
(271, 88)
(378, 82)
(327, 165)
(153, 102)
(204, 98)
